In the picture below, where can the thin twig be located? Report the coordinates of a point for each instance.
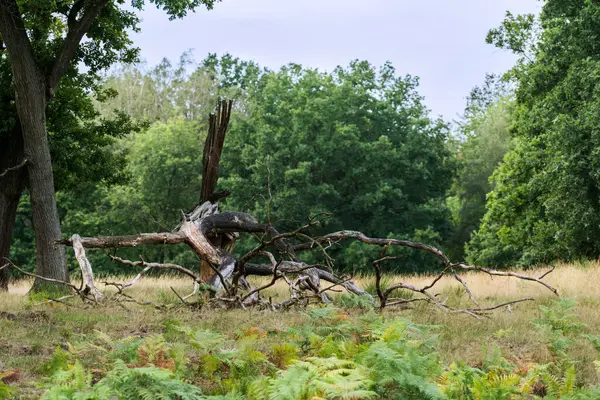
(11, 264)
(179, 297)
(466, 287)
(154, 265)
(19, 165)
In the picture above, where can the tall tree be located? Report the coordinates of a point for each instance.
(82, 149)
(546, 201)
(44, 43)
(357, 142)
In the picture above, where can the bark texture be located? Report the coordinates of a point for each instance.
(213, 147)
(33, 85)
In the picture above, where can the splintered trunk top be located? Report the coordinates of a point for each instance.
(213, 147)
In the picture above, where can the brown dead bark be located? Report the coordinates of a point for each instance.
(213, 147)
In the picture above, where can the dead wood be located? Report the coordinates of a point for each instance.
(87, 275)
(211, 234)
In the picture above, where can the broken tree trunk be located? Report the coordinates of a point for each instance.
(87, 275)
(211, 234)
(213, 147)
(198, 230)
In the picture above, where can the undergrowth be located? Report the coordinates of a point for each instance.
(331, 356)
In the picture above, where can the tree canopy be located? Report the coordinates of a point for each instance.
(356, 142)
(515, 182)
(545, 203)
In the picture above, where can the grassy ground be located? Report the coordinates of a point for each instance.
(28, 341)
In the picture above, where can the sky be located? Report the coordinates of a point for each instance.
(440, 41)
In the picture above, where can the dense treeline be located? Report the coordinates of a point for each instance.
(357, 143)
(514, 182)
(546, 202)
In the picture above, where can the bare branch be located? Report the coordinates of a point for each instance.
(466, 287)
(508, 273)
(508, 303)
(547, 272)
(147, 265)
(276, 277)
(19, 165)
(81, 291)
(12, 265)
(179, 297)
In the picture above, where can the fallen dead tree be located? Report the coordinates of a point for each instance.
(211, 234)
(229, 286)
(229, 282)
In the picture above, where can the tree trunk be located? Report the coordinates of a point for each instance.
(213, 146)
(33, 84)
(12, 183)
(31, 108)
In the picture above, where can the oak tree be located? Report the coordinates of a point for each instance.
(44, 42)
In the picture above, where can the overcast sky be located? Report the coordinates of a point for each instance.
(441, 41)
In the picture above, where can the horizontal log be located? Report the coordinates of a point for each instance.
(109, 242)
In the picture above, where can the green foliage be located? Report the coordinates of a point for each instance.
(544, 206)
(484, 139)
(316, 377)
(496, 386)
(146, 383)
(6, 391)
(122, 382)
(164, 167)
(458, 380)
(349, 301)
(559, 324)
(401, 367)
(327, 355)
(169, 91)
(357, 142)
(60, 360)
(72, 383)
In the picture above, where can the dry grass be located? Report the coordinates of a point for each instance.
(30, 339)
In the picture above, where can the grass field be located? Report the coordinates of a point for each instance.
(31, 333)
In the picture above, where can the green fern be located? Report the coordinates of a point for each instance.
(125, 349)
(122, 382)
(58, 361)
(149, 383)
(330, 378)
(363, 302)
(496, 386)
(402, 366)
(458, 380)
(560, 325)
(71, 383)
(556, 386)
